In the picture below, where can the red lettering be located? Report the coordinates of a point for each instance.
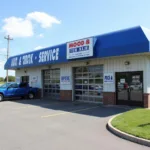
(74, 45)
(70, 45)
(82, 42)
(79, 43)
(87, 41)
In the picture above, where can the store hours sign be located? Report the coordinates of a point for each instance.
(80, 49)
(108, 78)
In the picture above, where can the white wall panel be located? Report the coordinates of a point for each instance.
(66, 70)
(111, 65)
(137, 63)
(31, 72)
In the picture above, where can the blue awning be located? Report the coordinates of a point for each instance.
(129, 41)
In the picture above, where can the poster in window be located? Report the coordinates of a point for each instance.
(18, 79)
(34, 81)
(122, 80)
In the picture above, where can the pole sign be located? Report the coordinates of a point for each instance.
(108, 78)
(80, 48)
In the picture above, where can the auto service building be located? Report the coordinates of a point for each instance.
(112, 68)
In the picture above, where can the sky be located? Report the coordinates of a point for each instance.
(37, 24)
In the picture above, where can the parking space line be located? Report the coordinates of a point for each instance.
(63, 113)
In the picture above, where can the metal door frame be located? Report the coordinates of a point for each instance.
(130, 102)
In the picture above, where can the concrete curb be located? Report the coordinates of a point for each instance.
(126, 135)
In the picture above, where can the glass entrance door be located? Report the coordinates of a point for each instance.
(129, 88)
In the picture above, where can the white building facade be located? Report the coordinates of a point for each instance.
(111, 69)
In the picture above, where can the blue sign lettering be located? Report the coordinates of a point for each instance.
(14, 62)
(48, 55)
(27, 59)
(108, 78)
(79, 49)
(32, 58)
(65, 79)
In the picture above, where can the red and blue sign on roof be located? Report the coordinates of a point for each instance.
(80, 49)
(129, 41)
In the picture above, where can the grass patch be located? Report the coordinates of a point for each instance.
(135, 122)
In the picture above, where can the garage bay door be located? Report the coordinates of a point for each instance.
(88, 83)
(51, 83)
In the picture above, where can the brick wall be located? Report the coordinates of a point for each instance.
(146, 100)
(66, 95)
(39, 93)
(109, 98)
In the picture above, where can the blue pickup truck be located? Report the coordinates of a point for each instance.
(9, 90)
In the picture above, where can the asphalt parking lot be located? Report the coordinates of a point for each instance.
(52, 125)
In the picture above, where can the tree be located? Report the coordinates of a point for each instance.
(10, 79)
(1, 79)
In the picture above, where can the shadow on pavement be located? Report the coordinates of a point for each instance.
(97, 110)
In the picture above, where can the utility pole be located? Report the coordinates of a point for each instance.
(8, 38)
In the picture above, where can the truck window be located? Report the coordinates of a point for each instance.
(15, 85)
(23, 85)
(25, 79)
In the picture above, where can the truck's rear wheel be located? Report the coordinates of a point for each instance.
(1, 97)
(31, 95)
